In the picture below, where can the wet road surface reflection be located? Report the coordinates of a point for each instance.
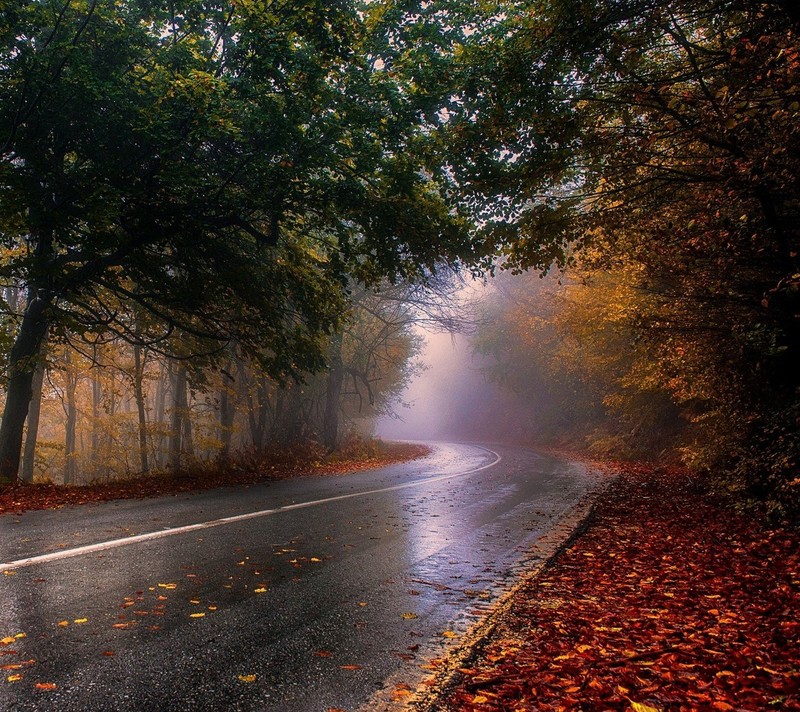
(305, 609)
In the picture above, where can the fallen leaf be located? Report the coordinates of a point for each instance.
(14, 678)
(196, 615)
(45, 686)
(315, 559)
(168, 586)
(351, 667)
(63, 624)
(323, 653)
(450, 634)
(260, 590)
(8, 640)
(109, 653)
(247, 678)
(640, 707)
(80, 621)
(409, 616)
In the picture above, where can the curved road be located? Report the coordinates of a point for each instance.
(297, 595)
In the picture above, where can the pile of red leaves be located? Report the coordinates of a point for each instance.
(248, 469)
(668, 601)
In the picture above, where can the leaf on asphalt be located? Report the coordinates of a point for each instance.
(401, 691)
(9, 572)
(45, 686)
(409, 616)
(109, 653)
(121, 626)
(196, 615)
(80, 621)
(247, 678)
(63, 624)
(212, 608)
(450, 634)
(351, 667)
(362, 603)
(14, 678)
(315, 559)
(168, 586)
(260, 589)
(194, 601)
(323, 653)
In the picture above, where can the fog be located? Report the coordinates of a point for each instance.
(450, 399)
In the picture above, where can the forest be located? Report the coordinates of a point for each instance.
(221, 220)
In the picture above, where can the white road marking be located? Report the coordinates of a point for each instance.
(161, 534)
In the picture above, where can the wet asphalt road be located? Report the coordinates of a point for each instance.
(305, 608)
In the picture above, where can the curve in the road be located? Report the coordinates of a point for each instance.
(162, 533)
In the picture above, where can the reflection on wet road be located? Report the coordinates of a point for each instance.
(308, 596)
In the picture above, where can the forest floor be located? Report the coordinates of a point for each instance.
(278, 464)
(668, 600)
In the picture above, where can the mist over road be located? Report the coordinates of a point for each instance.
(295, 595)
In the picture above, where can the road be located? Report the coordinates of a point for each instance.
(296, 595)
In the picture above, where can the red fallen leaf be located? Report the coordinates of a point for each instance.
(45, 686)
(351, 667)
(323, 653)
(109, 653)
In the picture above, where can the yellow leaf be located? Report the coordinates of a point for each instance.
(79, 621)
(63, 624)
(450, 634)
(212, 608)
(7, 641)
(20, 635)
(315, 559)
(196, 615)
(169, 586)
(8, 572)
(639, 707)
(260, 590)
(362, 603)
(247, 678)
(14, 678)
(409, 616)
(194, 601)
(479, 699)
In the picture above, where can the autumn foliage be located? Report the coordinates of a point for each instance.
(667, 602)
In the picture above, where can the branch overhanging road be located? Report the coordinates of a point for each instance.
(296, 595)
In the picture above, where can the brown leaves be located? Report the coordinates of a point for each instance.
(668, 601)
(280, 464)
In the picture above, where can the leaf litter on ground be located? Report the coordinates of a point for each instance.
(274, 465)
(668, 601)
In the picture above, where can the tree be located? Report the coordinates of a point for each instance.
(660, 140)
(219, 166)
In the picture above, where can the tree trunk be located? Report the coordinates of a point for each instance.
(159, 415)
(21, 366)
(333, 395)
(138, 391)
(178, 412)
(96, 401)
(29, 454)
(226, 411)
(70, 454)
